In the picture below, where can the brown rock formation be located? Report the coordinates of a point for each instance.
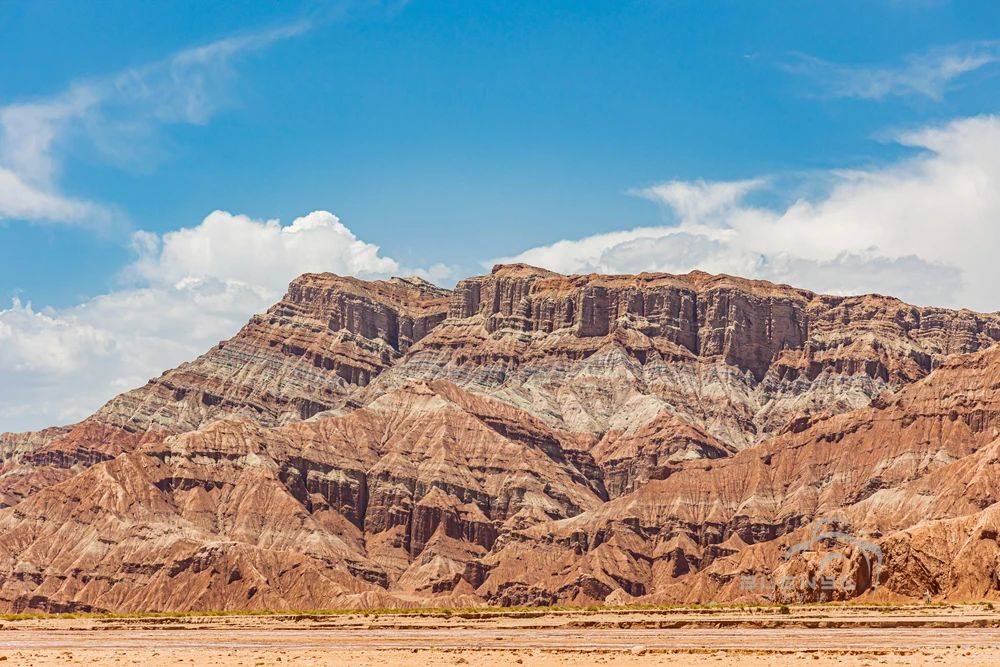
(527, 438)
(306, 354)
(738, 358)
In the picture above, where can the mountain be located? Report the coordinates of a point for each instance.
(307, 353)
(528, 438)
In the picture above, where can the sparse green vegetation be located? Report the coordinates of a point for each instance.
(487, 611)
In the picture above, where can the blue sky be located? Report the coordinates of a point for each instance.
(791, 141)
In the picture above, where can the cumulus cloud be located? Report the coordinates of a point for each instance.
(261, 252)
(116, 118)
(925, 228)
(927, 74)
(189, 289)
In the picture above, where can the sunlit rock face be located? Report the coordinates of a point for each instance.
(526, 438)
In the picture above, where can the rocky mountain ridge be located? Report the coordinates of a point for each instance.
(525, 438)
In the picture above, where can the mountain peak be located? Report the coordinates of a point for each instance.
(518, 270)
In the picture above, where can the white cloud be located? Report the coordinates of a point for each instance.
(925, 228)
(692, 201)
(194, 287)
(265, 253)
(58, 366)
(20, 199)
(117, 118)
(928, 74)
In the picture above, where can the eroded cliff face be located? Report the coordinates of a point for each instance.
(699, 533)
(739, 359)
(414, 487)
(328, 336)
(525, 438)
(745, 323)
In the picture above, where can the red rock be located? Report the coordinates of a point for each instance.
(528, 438)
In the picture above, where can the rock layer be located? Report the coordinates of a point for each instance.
(306, 354)
(527, 438)
(740, 359)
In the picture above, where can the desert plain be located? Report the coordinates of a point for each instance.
(723, 635)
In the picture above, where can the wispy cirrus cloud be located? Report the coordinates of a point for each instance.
(926, 74)
(118, 118)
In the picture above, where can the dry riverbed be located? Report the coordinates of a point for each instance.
(870, 635)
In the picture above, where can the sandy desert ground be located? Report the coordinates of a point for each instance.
(872, 635)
